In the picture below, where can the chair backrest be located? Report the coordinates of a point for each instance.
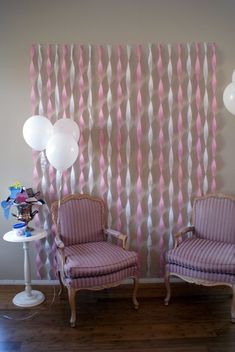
(214, 217)
(79, 218)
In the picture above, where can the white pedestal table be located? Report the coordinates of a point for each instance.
(28, 297)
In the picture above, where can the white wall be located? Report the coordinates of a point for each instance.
(23, 22)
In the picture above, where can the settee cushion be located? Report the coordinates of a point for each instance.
(204, 255)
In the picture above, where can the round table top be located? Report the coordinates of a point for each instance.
(37, 234)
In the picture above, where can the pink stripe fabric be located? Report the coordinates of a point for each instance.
(214, 219)
(204, 255)
(200, 275)
(102, 280)
(80, 221)
(97, 258)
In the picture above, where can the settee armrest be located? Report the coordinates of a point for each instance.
(179, 236)
(120, 237)
(60, 248)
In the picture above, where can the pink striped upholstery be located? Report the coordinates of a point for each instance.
(97, 258)
(214, 219)
(102, 281)
(195, 275)
(85, 257)
(204, 255)
(81, 221)
(207, 257)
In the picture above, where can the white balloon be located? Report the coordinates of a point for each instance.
(229, 98)
(37, 131)
(67, 126)
(62, 151)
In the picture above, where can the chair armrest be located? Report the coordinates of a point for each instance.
(59, 243)
(117, 235)
(179, 235)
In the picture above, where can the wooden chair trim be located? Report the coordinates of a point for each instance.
(200, 281)
(179, 235)
(118, 235)
(102, 287)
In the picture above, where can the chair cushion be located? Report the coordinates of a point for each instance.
(102, 281)
(204, 255)
(97, 258)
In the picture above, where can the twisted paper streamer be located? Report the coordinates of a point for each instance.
(109, 131)
(139, 136)
(161, 205)
(214, 124)
(189, 137)
(119, 119)
(101, 122)
(150, 161)
(81, 107)
(205, 127)
(171, 154)
(198, 120)
(91, 123)
(72, 110)
(128, 144)
(50, 114)
(157, 115)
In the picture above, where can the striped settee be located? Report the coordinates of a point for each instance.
(87, 258)
(204, 253)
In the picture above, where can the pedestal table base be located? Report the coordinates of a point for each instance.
(23, 299)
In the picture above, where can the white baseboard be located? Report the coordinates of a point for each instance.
(56, 282)
(34, 282)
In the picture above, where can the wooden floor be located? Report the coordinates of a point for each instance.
(197, 320)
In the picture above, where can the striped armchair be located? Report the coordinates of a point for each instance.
(207, 256)
(86, 257)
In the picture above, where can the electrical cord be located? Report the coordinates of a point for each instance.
(29, 316)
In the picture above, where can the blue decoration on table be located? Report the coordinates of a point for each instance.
(27, 233)
(6, 205)
(14, 191)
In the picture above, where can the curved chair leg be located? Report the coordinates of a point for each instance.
(72, 303)
(134, 299)
(233, 305)
(61, 284)
(168, 289)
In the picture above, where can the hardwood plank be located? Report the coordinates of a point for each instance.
(194, 321)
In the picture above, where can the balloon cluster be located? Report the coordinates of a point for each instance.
(229, 96)
(59, 140)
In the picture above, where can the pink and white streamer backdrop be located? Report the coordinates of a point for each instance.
(147, 119)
